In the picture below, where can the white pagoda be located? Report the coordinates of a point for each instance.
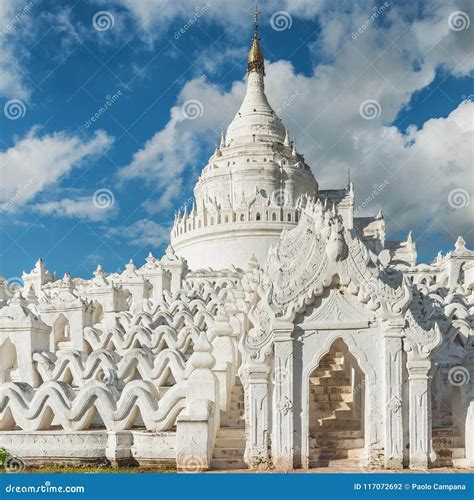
(278, 331)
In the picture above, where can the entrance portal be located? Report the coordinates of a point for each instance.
(336, 409)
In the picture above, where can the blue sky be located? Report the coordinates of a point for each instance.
(77, 192)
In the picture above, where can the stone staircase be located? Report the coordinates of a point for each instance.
(447, 445)
(336, 434)
(230, 441)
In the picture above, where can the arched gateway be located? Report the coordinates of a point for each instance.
(338, 324)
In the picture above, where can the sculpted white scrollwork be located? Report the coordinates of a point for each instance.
(308, 258)
(420, 343)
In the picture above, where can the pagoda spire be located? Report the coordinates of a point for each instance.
(255, 61)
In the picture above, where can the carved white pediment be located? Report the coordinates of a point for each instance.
(309, 257)
(336, 312)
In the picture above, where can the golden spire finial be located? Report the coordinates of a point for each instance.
(255, 57)
(257, 13)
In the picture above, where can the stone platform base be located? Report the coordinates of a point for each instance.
(93, 447)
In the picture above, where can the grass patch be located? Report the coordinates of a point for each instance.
(58, 469)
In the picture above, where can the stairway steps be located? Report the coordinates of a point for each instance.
(327, 369)
(457, 452)
(335, 454)
(330, 389)
(443, 432)
(461, 462)
(332, 382)
(233, 413)
(340, 376)
(236, 423)
(337, 360)
(333, 414)
(336, 434)
(236, 453)
(231, 433)
(332, 405)
(229, 447)
(336, 425)
(337, 443)
(324, 374)
(225, 442)
(337, 397)
(446, 441)
(447, 446)
(340, 434)
(228, 464)
(344, 419)
(343, 464)
(338, 365)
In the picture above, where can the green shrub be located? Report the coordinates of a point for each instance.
(4, 455)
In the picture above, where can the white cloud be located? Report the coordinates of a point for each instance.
(165, 200)
(211, 61)
(423, 167)
(173, 150)
(396, 54)
(167, 153)
(79, 208)
(37, 161)
(155, 16)
(142, 233)
(389, 61)
(14, 17)
(24, 24)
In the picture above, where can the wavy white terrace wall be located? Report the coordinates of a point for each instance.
(93, 447)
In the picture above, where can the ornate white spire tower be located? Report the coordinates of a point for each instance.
(252, 187)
